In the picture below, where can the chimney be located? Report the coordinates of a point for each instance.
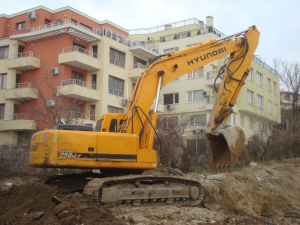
(201, 23)
(209, 21)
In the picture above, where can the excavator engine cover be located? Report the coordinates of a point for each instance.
(226, 146)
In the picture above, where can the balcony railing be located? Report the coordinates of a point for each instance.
(24, 54)
(116, 92)
(82, 50)
(48, 25)
(108, 32)
(164, 27)
(80, 83)
(20, 85)
(211, 99)
(117, 63)
(265, 65)
(213, 74)
(190, 33)
(20, 116)
(77, 115)
(137, 65)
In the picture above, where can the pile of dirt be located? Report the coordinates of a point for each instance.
(34, 204)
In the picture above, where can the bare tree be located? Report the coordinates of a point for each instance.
(52, 106)
(289, 75)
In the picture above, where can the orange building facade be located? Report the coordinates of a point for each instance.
(63, 65)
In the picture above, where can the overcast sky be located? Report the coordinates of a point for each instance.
(278, 21)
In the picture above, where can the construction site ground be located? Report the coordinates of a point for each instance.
(267, 193)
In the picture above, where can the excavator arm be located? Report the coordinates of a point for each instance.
(226, 142)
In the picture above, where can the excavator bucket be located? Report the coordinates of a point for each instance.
(227, 146)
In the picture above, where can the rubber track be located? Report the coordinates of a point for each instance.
(92, 188)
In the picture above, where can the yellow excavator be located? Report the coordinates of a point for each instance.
(121, 144)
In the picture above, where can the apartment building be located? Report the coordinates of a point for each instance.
(286, 99)
(192, 96)
(51, 57)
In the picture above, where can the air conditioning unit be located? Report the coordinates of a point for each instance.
(170, 107)
(199, 131)
(55, 71)
(51, 103)
(205, 93)
(149, 38)
(32, 15)
(125, 102)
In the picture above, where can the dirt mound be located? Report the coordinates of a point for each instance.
(33, 204)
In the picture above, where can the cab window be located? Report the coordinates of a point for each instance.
(113, 125)
(99, 125)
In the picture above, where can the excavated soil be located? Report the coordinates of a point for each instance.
(24, 204)
(261, 194)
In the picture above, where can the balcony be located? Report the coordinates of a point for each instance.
(160, 106)
(135, 70)
(73, 117)
(21, 91)
(78, 89)
(19, 122)
(57, 28)
(24, 61)
(210, 102)
(135, 46)
(80, 58)
(211, 77)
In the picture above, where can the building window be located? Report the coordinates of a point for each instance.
(74, 21)
(198, 120)
(77, 78)
(112, 109)
(275, 109)
(259, 102)
(171, 98)
(2, 109)
(21, 25)
(176, 79)
(242, 120)
(269, 85)
(232, 118)
(139, 63)
(198, 73)
(287, 97)
(251, 124)
(274, 88)
(195, 96)
(250, 76)
(94, 81)
(258, 79)
(264, 127)
(133, 86)
(166, 51)
(116, 86)
(249, 97)
(4, 52)
(170, 122)
(3, 79)
(92, 112)
(95, 51)
(85, 27)
(117, 58)
(270, 106)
